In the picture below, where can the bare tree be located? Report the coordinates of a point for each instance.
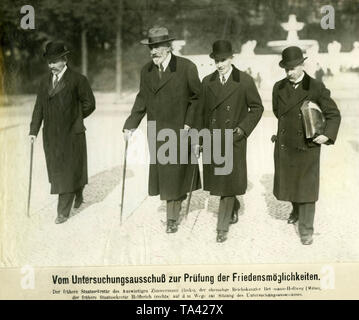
(119, 48)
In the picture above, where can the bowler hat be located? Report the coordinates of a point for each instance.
(55, 50)
(221, 49)
(157, 35)
(291, 57)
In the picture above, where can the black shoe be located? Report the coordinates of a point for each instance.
(307, 241)
(78, 202)
(292, 219)
(221, 236)
(234, 218)
(171, 226)
(60, 219)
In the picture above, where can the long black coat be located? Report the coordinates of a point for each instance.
(62, 111)
(171, 102)
(235, 104)
(296, 159)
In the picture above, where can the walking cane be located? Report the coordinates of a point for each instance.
(123, 180)
(30, 178)
(194, 178)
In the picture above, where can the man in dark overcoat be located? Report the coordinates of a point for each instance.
(168, 95)
(229, 100)
(296, 158)
(64, 99)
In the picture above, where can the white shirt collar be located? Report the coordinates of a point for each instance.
(226, 75)
(59, 75)
(166, 62)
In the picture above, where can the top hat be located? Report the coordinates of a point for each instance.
(291, 57)
(221, 49)
(157, 35)
(55, 50)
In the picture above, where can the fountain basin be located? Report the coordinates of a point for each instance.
(279, 45)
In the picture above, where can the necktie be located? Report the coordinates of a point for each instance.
(295, 84)
(160, 70)
(56, 80)
(223, 80)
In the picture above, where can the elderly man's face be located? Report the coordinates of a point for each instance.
(293, 74)
(223, 65)
(57, 65)
(159, 52)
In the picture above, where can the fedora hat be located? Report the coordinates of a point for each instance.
(55, 50)
(221, 49)
(291, 57)
(157, 35)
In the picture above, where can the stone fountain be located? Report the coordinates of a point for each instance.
(292, 26)
(265, 70)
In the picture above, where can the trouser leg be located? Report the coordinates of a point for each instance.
(226, 206)
(237, 204)
(173, 208)
(306, 219)
(79, 192)
(65, 203)
(295, 212)
(78, 198)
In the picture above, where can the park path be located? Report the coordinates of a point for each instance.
(93, 236)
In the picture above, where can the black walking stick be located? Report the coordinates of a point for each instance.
(123, 180)
(194, 179)
(30, 177)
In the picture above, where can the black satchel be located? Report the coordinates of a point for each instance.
(313, 119)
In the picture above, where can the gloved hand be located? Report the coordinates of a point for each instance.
(321, 139)
(238, 134)
(197, 149)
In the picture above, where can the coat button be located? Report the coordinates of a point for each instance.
(300, 116)
(228, 108)
(282, 117)
(282, 146)
(213, 120)
(282, 131)
(299, 132)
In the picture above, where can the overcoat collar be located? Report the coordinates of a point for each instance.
(61, 84)
(290, 99)
(167, 75)
(305, 82)
(220, 91)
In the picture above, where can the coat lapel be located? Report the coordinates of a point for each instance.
(50, 88)
(215, 85)
(152, 78)
(224, 91)
(292, 97)
(59, 87)
(169, 73)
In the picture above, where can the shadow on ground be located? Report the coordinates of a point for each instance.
(276, 209)
(355, 145)
(100, 186)
(202, 199)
